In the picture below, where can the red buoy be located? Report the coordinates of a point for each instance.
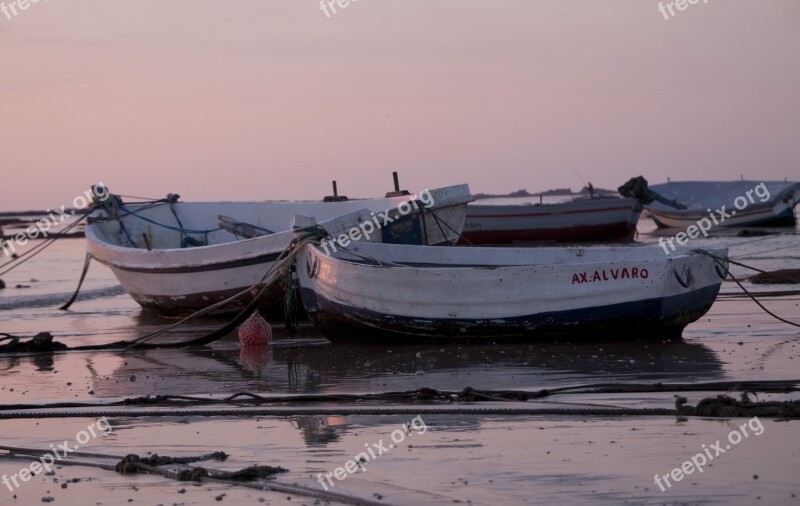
(255, 331)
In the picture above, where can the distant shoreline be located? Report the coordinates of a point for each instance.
(558, 192)
(16, 214)
(15, 222)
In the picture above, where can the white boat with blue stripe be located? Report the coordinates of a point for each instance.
(388, 292)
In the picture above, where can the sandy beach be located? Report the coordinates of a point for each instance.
(467, 458)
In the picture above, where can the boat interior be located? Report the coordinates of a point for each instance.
(193, 224)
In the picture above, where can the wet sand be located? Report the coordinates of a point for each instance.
(482, 459)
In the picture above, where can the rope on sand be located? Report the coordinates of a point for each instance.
(340, 411)
(131, 464)
(724, 406)
(153, 459)
(429, 395)
(706, 408)
(427, 401)
(250, 477)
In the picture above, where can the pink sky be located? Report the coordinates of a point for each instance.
(271, 99)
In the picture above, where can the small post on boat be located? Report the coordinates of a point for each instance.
(397, 191)
(335, 197)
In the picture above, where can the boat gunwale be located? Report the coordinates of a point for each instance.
(681, 253)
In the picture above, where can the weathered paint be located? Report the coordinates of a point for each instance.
(664, 317)
(506, 292)
(174, 281)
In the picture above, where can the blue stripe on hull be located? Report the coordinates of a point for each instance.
(784, 218)
(665, 316)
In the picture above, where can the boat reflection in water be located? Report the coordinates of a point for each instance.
(344, 368)
(225, 368)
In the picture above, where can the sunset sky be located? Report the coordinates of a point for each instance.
(271, 99)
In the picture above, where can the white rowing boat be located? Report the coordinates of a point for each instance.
(581, 220)
(726, 203)
(385, 291)
(175, 258)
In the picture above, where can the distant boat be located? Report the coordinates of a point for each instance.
(581, 220)
(747, 203)
(391, 292)
(175, 258)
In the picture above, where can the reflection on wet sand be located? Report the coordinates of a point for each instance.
(349, 369)
(319, 431)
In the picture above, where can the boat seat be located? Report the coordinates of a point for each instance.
(242, 229)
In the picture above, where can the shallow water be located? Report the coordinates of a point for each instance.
(483, 459)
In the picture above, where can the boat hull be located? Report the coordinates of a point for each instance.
(780, 216)
(175, 282)
(598, 220)
(727, 204)
(665, 317)
(636, 297)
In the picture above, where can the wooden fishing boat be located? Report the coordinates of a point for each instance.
(581, 220)
(385, 291)
(726, 203)
(175, 258)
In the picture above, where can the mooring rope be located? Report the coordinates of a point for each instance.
(272, 274)
(338, 411)
(762, 305)
(87, 260)
(437, 220)
(752, 256)
(784, 409)
(146, 200)
(304, 235)
(31, 253)
(740, 264)
(425, 394)
(179, 228)
(751, 296)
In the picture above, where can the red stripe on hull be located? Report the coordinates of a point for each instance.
(612, 232)
(551, 213)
